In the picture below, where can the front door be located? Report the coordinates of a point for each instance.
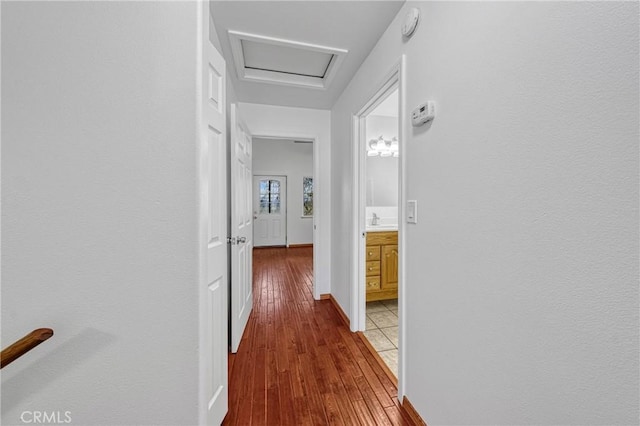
(270, 210)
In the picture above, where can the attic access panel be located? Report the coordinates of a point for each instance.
(286, 62)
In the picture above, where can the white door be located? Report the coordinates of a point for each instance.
(212, 229)
(270, 210)
(241, 227)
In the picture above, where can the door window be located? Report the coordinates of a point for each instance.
(269, 196)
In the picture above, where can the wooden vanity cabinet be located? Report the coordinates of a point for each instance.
(381, 254)
(389, 269)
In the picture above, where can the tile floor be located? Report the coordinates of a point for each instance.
(382, 330)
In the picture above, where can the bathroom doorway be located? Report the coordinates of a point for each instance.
(381, 227)
(377, 296)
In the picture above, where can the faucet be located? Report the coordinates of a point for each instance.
(374, 220)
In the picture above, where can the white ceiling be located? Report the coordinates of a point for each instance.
(352, 25)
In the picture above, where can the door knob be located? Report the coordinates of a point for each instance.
(242, 240)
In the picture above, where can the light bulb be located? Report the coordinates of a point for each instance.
(394, 144)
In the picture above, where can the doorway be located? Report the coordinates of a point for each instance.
(381, 225)
(284, 186)
(378, 208)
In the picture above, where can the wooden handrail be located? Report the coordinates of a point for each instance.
(24, 345)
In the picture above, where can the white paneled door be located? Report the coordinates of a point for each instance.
(213, 229)
(241, 227)
(270, 210)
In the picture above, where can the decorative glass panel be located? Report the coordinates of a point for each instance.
(269, 196)
(264, 206)
(264, 196)
(307, 196)
(275, 203)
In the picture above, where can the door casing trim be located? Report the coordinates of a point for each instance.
(394, 79)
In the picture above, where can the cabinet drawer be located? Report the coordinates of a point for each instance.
(373, 283)
(372, 253)
(382, 238)
(373, 268)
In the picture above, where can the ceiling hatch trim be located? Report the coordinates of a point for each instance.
(272, 60)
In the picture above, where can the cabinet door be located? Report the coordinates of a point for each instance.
(389, 267)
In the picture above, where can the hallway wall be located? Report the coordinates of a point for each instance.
(270, 120)
(521, 296)
(99, 210)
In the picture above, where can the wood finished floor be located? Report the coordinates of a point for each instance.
(298, 364)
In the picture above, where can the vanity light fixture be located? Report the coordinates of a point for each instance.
(383, 147)
(395, 147)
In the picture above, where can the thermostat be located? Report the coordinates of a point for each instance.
(423, 113)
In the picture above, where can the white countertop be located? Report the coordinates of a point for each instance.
(382, 228)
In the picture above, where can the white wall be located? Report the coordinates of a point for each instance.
(295, 161)
(381, 172)
(269, 120)
(522, 273)
(99, 210)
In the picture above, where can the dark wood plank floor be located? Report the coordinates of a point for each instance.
(298, 364)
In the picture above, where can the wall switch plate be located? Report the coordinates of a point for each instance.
(412, 211)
